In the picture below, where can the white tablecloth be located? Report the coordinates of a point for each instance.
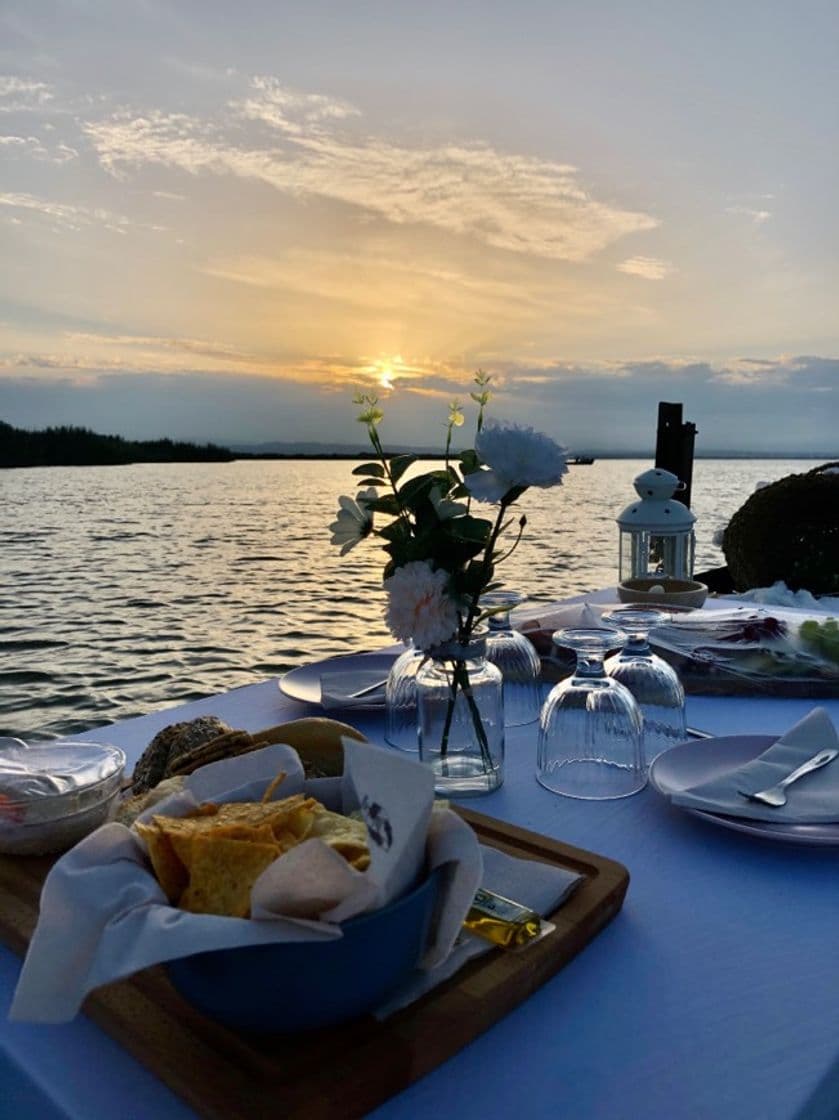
(714, 994)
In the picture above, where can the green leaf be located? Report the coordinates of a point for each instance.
(399, 464)
(376, 470)
(373, 482)
(386, 503)
(395, 531)
(416, 490)
(473, 530)
(469, 461)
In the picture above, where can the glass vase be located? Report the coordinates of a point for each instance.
(460, 711)
(401, 701)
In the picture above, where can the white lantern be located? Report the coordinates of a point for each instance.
(656, 531)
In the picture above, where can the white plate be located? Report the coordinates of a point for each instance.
(702, 760)
(304, 683)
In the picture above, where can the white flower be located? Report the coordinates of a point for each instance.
(418, 605)
(516, 457)
(354, 522)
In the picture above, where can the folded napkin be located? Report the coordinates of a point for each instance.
(337, 688)
(812, 799)
(541, 886)
(546, 617)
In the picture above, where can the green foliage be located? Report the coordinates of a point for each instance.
(821, 637)
(788, 531)
(430, 512)
(68, 446)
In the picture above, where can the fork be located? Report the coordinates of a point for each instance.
(776, 796)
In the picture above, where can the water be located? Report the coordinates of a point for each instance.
(129, 589)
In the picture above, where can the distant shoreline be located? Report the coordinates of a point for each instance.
(80, 447)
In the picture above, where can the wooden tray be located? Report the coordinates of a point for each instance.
(345, 1072)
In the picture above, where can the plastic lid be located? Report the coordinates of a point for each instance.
(46, 771)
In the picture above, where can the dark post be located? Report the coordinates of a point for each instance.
(674, 446)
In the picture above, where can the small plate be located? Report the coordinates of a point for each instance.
(303, 683)
(702, 760)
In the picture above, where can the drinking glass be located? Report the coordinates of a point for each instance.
(401, 728)
(515, 656)
(590, 727)
(651, 680)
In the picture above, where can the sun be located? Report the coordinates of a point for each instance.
(386, 376)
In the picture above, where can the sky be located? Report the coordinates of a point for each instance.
(219, 221)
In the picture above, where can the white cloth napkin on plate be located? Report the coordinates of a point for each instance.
(337, 688)
(812, 799)
(104, 916)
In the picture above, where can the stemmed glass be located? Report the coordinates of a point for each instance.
(651, 680)
(590, 727)
(515, 656)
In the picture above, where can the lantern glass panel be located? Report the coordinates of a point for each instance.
(645, 553)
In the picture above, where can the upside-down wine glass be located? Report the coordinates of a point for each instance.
(651, 680)
(515, 656)
(590, 726)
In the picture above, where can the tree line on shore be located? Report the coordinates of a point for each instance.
(77, 447)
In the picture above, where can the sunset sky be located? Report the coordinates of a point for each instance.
(219, 220)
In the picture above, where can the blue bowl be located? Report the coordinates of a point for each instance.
(294, 987)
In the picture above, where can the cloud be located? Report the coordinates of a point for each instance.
(69, 217)
(35, 148)
(648, 268)
(302, 145)
(757, 217)
(607, 407)
(19, 95)
(393, 283)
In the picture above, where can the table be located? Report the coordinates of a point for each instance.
(714, 994)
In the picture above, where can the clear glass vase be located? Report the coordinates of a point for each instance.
(401, 701)
(515, 656)
(460, 711)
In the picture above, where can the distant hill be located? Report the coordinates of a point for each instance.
(79, 447)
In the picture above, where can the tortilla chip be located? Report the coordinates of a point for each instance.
(168, 867)
(222, 874)
(347, 836)
(278, 781)
(254, 834)
(208, 861)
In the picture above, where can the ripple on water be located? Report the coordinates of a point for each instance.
(156, 584)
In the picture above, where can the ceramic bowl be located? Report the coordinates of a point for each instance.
(679, 593)
(302, 986)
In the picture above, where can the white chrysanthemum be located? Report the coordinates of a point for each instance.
(418, 605)
(354, 521)
(515, 457)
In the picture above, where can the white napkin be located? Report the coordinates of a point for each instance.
(541, 886)
(585, 615)
(103, 915)
(337, 688)
(813, 798)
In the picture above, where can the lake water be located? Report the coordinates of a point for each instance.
(128, 589)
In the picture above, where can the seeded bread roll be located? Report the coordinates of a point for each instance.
(168, 745)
